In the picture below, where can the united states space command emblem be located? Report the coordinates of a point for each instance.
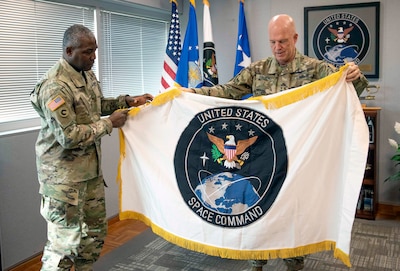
(230, 164)
(341, 37)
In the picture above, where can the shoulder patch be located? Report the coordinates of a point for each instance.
(55, 103)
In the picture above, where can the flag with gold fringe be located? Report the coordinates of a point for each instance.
(270, 177)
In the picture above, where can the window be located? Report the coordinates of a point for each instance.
(130, 55)
(30, 43)
(131, 51)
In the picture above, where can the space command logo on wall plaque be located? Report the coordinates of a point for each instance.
(341, 37)
(230, 163)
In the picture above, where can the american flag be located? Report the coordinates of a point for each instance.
(55, 103)
(173, 50)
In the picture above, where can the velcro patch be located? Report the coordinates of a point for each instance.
(55, 103)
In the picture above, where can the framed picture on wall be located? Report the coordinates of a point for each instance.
(344, 33)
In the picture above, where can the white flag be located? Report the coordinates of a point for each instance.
(275, 176)
(210, 71)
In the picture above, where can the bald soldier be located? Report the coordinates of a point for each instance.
(286, 69)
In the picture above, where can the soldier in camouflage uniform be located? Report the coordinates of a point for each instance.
(70, 103)
(287, 69)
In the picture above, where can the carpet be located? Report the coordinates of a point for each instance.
(375, 246)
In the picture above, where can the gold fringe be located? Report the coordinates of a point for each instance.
(160, 99)
(122, 154)
(239, 254)
(167, 96)
(274, 102)
(339, 254)
(134, 111)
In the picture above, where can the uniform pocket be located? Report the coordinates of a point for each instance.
(82, 111)
(54, 210)
(62, 207)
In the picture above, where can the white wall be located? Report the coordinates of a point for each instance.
(23, 231)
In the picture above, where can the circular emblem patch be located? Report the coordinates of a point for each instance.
(230, 163)
(341, 37)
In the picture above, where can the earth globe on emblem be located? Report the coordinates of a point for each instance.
(227, 193)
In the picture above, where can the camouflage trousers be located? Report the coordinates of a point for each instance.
(75, 233)
(293, 264)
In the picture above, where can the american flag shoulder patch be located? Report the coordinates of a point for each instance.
(55, 103)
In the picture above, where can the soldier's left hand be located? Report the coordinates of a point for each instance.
(138, 100)
(353, 72)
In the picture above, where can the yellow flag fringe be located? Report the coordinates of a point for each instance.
(158, 100)
(278, 101)
(122, 155)
(166, 96)
(134, 111)
(339, 254)
(239, 254)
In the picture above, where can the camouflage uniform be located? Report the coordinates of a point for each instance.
(68, 157)
(266, 77)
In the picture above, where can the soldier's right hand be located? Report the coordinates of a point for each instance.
(119, 117)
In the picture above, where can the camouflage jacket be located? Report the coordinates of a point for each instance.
(267, 77)
(68, 146)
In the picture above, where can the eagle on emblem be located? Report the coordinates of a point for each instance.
(230, 149)
(341, 35)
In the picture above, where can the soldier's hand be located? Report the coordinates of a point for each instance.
(119, 117)
(138, 100)
(353, 72)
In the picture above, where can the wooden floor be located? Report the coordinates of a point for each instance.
(119, 232)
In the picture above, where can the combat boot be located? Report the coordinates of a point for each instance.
(294, 264)
(257, 265)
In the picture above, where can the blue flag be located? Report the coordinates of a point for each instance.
(189, 73)
(243, 58)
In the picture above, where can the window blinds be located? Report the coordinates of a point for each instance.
(132, 52)
(130, 55)
(30, 43)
